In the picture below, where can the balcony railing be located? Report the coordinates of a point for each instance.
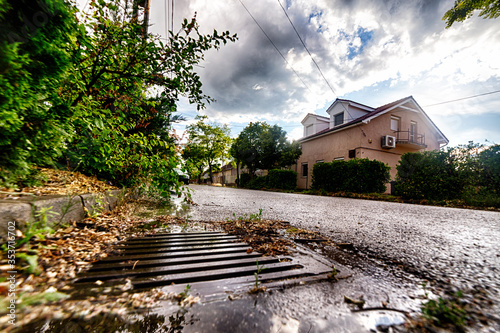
(410, 138)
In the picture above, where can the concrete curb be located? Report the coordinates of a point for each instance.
(64, 208)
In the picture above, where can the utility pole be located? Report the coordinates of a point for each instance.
(147, 4)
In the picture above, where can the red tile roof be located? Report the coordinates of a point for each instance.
(371, 114)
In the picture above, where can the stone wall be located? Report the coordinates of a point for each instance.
(65, 209)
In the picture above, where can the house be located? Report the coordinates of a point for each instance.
(228, 174)
(354, 130)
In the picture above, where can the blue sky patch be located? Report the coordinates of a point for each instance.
(365, 35)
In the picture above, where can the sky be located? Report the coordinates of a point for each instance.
(370, 51)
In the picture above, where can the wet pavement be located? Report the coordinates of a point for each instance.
(385, 252)
(455, 248)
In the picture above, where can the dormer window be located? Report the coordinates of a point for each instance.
(338, 119)
(309, 130)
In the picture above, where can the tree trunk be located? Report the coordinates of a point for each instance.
(238, 174)
(210, 172)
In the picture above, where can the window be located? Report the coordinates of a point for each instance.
(352, 153)
(395, 123)
(304, 169)
(413, 131)
(309, 130)
(338, 119)
(320, 161)
(338, 158)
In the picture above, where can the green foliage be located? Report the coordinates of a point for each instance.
(125, 89)
(257, 283)
(276, 179)
(245, 217)
(36, 38)
(429, 175)
(469, 172)
(356, 175)
(31, 260)
(464, 9)
(38, 226)
(446, 312)
(261, 146)
(208, 143)
(489, 169)
(282, 179)
(183, 295)
(258, 183)
(99, 91)
(244, 179)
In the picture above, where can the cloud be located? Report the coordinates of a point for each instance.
(369, 50)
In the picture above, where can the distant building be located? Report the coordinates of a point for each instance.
(356, 130)
(228, 174)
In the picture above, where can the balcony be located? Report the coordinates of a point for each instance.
(410, 139)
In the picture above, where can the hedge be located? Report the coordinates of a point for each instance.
(282, 179)
(278, 179)
(356, 175)
(431, 175)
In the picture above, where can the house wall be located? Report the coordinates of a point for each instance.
(366, 140)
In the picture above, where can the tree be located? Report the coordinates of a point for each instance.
(261, 146)
(207, 143)
(431, 175)
(36, 38)
(464, 9)
(125, 87)
(247, 148)
(489, 166)
(194, 156)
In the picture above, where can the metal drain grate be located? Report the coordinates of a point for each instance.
(182, 258)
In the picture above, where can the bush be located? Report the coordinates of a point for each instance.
(356, 175)
(244, 179)
(278, 179)
(431, 175)
(282, 179)
(258, 183)
(489, 164)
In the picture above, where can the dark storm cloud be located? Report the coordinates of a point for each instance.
(384, 49)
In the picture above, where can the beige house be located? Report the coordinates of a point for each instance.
(228, 174)
(356, 130)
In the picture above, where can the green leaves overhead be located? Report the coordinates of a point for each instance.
(464, 9)
(96, 93)
(35, 42)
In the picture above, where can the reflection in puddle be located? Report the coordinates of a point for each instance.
(277, 312)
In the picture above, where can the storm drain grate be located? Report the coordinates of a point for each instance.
(187, 258)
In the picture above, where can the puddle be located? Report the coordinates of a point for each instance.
(175, 207)
(266, 312)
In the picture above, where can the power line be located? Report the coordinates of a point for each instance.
(461, 99)
(270, 40)
(317, 66)
(304, 44)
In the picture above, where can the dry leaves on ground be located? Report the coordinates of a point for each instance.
(60, 257)
(269, 237)
(61, 182)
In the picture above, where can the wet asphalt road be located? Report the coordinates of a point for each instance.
(459, 247)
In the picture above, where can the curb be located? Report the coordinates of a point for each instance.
(66, 209)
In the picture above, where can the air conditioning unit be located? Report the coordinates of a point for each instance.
(388, 142)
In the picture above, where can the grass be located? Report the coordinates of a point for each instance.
(472, 202)
(446, 313)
